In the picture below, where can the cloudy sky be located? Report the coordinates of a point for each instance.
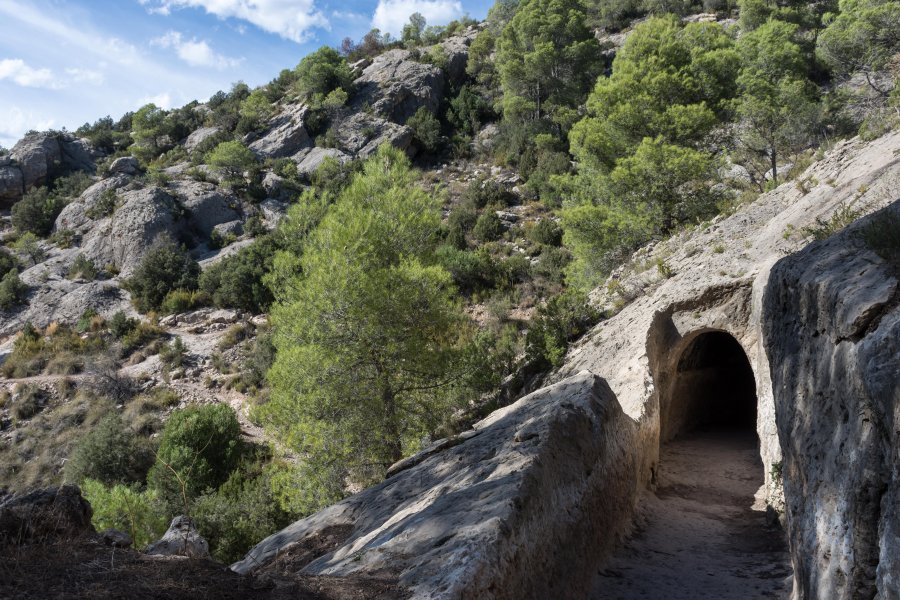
(65, 62)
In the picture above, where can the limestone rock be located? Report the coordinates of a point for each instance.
(474, 520)
(361, 134)
(456, 49)
(395, 86)
(12, 184)
(285, 135)
(45, 515)
(832, 331)
(123, 239)
(125, 165)
(181, 539)
(206, 204)
(198, 137)
(77, 214)
(41, 155)
(313, 159)
(231, 228)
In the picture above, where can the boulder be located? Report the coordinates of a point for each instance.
(116, 538)
(832, 332)
(123, 239)
(285, 135)
(198, 137)
(41, 155)
(456, 49)
(231, 228)
(181, 539)
(361, 134)
(395, 86)
(78, 215)
(312, 160)
(126, 165)
(207, 205)
(45, 515)
(12, 184)
(475, 514)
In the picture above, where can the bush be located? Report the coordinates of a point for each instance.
(460, 222)
(82, 268)
(166, 267)
(426, 129)
(482, 193)
(124, 508)
(546, 232)
(471, 271)
(109, 453)
(8, 262)
(36, 212)
(232, 158)
(179, 301)
(29, 245)
(104, 206)
(237, 281)
(199, 448)
(320, 73)
(563, 319)
(30, 401)
(12, 290)
(121, 324)
(488, 228)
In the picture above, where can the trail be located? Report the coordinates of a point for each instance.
(700, 535)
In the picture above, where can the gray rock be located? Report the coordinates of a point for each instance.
(116, 538)
(124, 239)
(207, 204)
(361, 134)
(832, 332)
(461, 522)
(45, 515)
(12, 184)
(313, 159)
(198, 137)
(273, 211)
(126, 165)
(181, 539)
(231, 228)
(41, 155)
(395, 86)
(285, 135)
(456, 49)
(75, 215)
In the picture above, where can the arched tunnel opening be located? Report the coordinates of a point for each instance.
(702, 530)
(713, 387)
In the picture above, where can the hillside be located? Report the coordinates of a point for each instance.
(420, 297)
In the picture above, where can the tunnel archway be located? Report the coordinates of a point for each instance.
(712, 387)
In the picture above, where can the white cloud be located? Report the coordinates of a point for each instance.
(391, 15)
(291, 19)
(14, 122)
(194, 52)
(77, 75)
(20, 73)
(162, 100)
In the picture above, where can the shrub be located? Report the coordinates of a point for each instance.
(8, 262)
(257, 361)
(426, 129)
(121, 324)
(109, 453)
(173, 354)
(179, 301)
(237, 280)
(166, 267)
(37, 211)
(104, 206)
(482, 193)
(563, 319)
(12, 290)
(546, 232)
(29, 245)
(460, 223)
(320, 73)
(488, 227)
(471, 271)
(199, 448)
(83, 268)
(29, 401)
(232, 158)
(124, 508)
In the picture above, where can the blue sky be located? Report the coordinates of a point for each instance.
(65, 62)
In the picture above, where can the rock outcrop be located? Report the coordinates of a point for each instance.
(507, 511)
(207, 205)
(395, 86)
(285, 135)
(45, 515)
(39, 156)
(831, 318)
(181, 539)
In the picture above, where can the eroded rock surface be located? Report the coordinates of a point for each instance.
(181, 539)
(507, 512)
(831, 316)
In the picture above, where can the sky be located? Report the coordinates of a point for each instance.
(67, 62)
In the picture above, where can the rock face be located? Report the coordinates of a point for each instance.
(206, 204)
(395, 86)
(181, 539)
(285, 135)
(831, 318)
(12, 185)
(44, 515)
(506, 512)
(198, 137)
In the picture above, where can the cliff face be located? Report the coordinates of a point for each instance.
(831, 322)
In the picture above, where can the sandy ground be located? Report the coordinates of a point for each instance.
(699, 535)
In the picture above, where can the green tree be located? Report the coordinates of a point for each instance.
(125, 508)
(547, 58)
(166, 267)
(36, 212)
(198, 450)
(777, 104)
(863, 38)
(256, 109)
(320, 73)
(232, 158)
(109, 453)
(148, 128)
(412, 31)
(30, 245)
(426, 129)
(237, 280)
(8, 262)
(368, 334)
(12, 290)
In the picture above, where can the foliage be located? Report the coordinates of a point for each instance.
(468, 110)
(166, 267)
(256, 109)
(320, 73)
(232, 158)
(109, 453)
(412, 32)
(82, 268)
(125, 508)
(547, 58)
(179, 301)
(199, 448)
(368, 334)
(12, 290)
(237, 280)
(8, 261)
(426, 129)
(107, 135)
(863, 37)
(546, 232)
(482, 193)
(29, 245)
(488, 227)
(471, 270)
(37, 211)
(563, 319)
(148, 131)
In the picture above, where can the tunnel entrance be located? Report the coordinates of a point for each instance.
(712, 387)
(702, 530)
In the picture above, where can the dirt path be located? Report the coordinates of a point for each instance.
(699, 536)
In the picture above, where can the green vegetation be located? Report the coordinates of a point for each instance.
(12, 290)
(237, 281)
(231, 158)
(166, 267)
(321, 74)
(110, 453)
